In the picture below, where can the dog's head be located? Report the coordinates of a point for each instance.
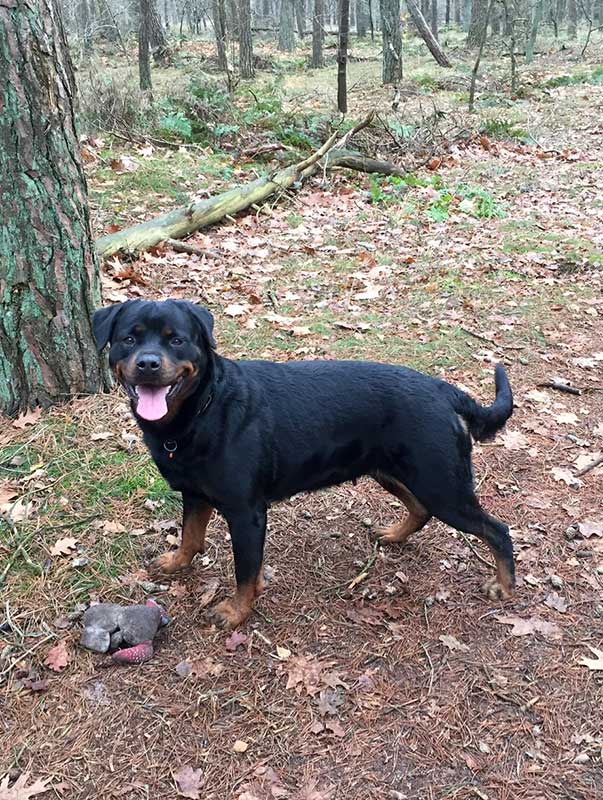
(159, 352)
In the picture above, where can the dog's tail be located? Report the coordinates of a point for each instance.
(485, 421)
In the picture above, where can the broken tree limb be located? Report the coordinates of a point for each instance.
(425, 33)
(182, 222)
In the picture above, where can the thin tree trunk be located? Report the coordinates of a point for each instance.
(479, 56)
(317, 34)
(495, 19)
(157, 40)
(427, 36)
(300, 18)
(458, 19)
(478, 21)
(361, 18)
(536, 20)
(232, 24)
(219, 20)
(245, 41)
(434, 18)
(392, 41)
(144, 63)
(286, 34)
(448, 17)
(342, 56)
(467, 6)
(49, 284)
(85, 19)
(572, 19)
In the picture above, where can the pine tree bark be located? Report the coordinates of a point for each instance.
(318, 34)
(342, 56)
(144, 62)
(157, 39)
(300, 18)
(49, 282)
(246, 64)
(572, 19)
(434, 18)
(219, 21)
(476, 26)
(427, 36)
(392, 41)
(535, 24)
(286, 34)
(86, 26)
(361, 18)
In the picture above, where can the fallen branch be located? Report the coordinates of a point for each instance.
(590, 466)
(182, 247)
(560, 386)
(182, 222)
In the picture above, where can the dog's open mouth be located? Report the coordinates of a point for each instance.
(152, 401)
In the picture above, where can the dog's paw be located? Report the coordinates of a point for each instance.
(494, 590)
(390, 535)
(228, 614)
(168, 563)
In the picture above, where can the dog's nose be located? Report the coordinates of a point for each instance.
(148, 362)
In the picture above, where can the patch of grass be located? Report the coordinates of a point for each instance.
(594, 78)
(500, 128)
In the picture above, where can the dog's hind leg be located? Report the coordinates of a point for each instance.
(471, 518)
(417, 517)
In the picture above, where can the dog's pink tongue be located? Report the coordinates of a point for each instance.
(152, 403)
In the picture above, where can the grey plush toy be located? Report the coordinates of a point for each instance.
(126, 631)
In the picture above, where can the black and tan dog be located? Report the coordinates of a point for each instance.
(237, 436)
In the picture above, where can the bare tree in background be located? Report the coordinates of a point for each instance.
(479, 9)
(246, 65)
(219, 21)
(392, 41)
(157, 38)
(144, 62)
(300, 17)
(318, 34)
(361, 18)
(572, 19)
(342, 56)
(434, 18)
(286, 34)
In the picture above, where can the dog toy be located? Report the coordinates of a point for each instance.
(127, 632)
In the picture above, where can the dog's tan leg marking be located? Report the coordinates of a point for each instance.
(416, 519)
(194, 526)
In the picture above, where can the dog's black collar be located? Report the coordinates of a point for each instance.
(171, 445)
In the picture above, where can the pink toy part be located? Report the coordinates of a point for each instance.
(134, 655)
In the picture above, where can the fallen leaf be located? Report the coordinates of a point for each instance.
(236, 639)
(452, 643)
(19, 790)
(335, 727)
(30, 418)
(64, 547)
(566, 418)
(17, 511)
(590, 528)
(282, 653)
(595, 664)
(554, 600)
(236, 309)
(58, 657)
(209, 592)
(188, 781)
(240, 746)
(538, 396)
(526, 627)
(311, 792)
(123, 164)
(370, 293)
(100, 437)
(300, 330)
(514, 440)
(304, 673)
(560, 474)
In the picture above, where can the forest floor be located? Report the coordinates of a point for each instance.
(365, 672)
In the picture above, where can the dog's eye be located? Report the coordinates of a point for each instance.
(129, 340)
(175, 341)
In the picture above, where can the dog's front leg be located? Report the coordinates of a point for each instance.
(196, 514)
(247, 533)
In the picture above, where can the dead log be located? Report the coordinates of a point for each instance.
(425, 33)
(182, 222)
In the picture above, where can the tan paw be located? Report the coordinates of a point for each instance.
(169, 563)
(228, 614)
(390, 535)
(495, 590)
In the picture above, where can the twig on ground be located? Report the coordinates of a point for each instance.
(479, 336)
(183, 247)
(590, 466)
(560, 386)
(431, 670)
(474, 551)
(363, 574)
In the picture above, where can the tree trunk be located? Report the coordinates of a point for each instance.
(342, 56)
(300, 17)
(478, 20)
(219, 20)
(392, 41)
(286, 34)
(572, 19)
(458, 18)
(467, 5)
(245, 42)
(318, 34)
(232, 24)
(536, 20)
(144, 63)
(434, 18)
(361, 18)
(157, 41)
(86, 27)
(448, 17)
(49, 283)
(479, 56)
(427, 36)
(495, 19)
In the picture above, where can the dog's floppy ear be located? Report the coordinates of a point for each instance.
(103, 322)
(204, 320)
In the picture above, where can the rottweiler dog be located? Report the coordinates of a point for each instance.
(236, 436)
